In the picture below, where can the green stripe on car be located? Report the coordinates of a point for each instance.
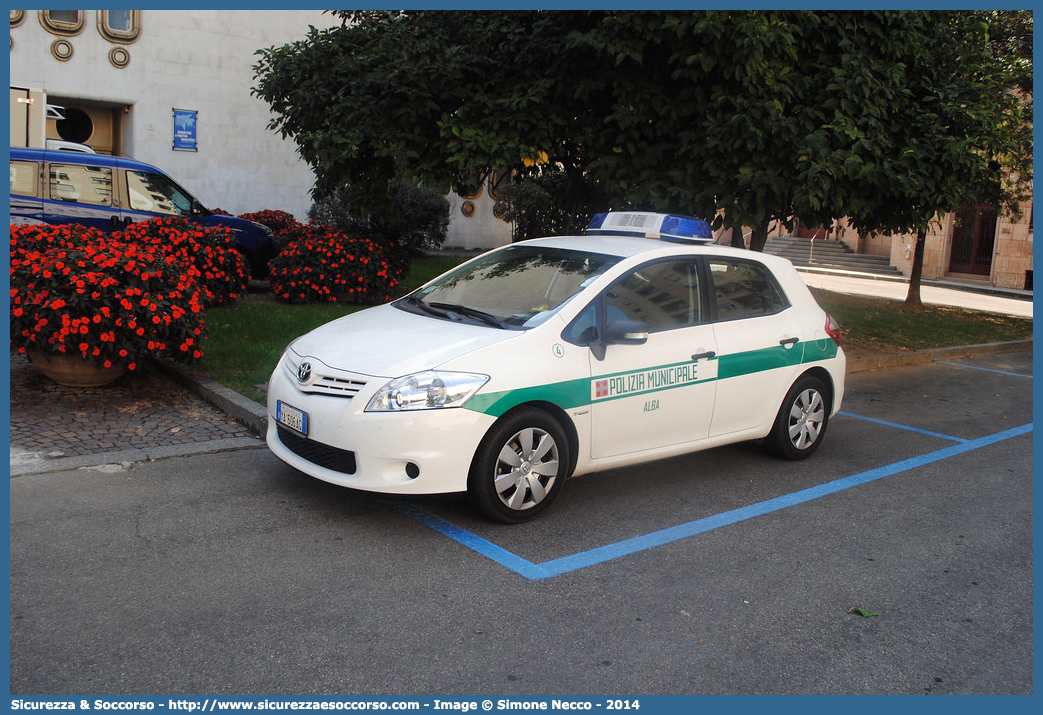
(582, 392)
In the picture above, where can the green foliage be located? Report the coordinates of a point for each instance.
(749, 117)
(550, 202)
(420, 217)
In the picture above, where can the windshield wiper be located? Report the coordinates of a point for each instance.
(430, 310)
(487, 318)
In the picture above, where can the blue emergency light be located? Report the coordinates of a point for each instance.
(668, 227)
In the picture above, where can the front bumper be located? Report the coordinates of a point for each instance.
(408, 453)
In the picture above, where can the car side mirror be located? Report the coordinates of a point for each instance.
(620, 332)
(626, 332)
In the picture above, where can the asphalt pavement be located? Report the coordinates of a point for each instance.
(157, 547)
(898, 560)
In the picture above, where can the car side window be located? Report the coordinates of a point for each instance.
(662, 295)
(157, 194)
(81, 184)
(583, 330)
(745, 289)
(24, 175)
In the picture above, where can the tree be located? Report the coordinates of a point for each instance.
(749, 117)
(439, 97)
(420, 220)
(548, 201)
(962, 134)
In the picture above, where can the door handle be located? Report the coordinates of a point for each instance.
(789, 341)
(707, 354)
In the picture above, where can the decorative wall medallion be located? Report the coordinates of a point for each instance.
(119, 57)
(62, 50)
(467, 209)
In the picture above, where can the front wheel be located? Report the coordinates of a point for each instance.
(519, 467)
(802, 420)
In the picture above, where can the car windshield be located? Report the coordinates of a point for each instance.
(518, 287)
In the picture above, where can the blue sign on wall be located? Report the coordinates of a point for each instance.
(185, 130)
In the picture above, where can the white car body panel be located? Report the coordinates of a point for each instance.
(639, 403)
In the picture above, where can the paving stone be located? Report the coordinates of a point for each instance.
(143, 410)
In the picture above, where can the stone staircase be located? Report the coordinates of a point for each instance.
(829, 254)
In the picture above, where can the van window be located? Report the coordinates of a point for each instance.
(157, 194)
(24, 176)
(81, 184)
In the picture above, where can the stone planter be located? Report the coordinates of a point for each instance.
(73, 370)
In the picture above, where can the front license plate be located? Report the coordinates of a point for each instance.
(291, 417)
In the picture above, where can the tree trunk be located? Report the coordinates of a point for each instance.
(913, 297)
(759, 236)
(737, 240)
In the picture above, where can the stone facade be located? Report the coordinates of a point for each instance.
(199, 60)
(1011, 264)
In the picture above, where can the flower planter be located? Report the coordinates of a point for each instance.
(74, 371)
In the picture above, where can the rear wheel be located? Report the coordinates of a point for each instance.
(519, 467)
(802, 420)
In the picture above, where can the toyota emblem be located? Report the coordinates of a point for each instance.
(304, 372)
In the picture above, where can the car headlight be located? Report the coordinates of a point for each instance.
(429, 390)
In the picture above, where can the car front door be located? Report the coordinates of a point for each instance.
(150, 194)
(660, 393)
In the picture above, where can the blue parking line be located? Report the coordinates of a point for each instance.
(609, 552)
(983, 369)
(903, 427)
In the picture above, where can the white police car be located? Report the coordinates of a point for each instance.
(557, 357)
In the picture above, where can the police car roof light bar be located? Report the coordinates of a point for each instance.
(668, 227)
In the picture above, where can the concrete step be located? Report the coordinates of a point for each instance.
(828, 254)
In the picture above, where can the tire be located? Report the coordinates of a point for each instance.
(520, 467)
(800, 425)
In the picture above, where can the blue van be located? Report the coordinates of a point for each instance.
(110, 192)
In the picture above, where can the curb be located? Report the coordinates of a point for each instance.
(1011, 293)
(919, 357)
(124, 459)
(239, 407)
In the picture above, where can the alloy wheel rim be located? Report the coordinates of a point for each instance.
(526, 469)
(806, 417)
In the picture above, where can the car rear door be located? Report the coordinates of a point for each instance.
(759, 341)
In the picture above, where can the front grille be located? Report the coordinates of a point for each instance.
(337, 386)
(333, 458)
(327, 384)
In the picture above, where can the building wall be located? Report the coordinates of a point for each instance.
(472, 224)
(198, 60)
(1012, 254)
